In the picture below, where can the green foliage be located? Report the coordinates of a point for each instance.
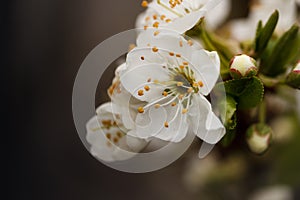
(264, 34)
(285, 51)
(248, 92)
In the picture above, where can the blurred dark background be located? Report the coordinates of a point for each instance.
(44, 44)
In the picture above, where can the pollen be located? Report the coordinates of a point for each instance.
(200, 83)
(155, 49)
(184, 111)
(171, 54)
(166, 124)
(165, 93)
(147, 88)
(108, 136)
(179, 84)
(168, 20)
(174, 104)
(157, 106)
(190, 42)
(156, 33)
(141, 92)
(141, 110)
(145, 4)
(180, 43)
(116, 140)
(155, 24)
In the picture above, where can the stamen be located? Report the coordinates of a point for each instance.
(119, 134)
(157, 106)
(116, 140)
(142, 58)
(165, 93)
(185, 63)
(154, 17)
(179, 84)
(180, 43)
(141, 92)
(162, 17)
(145, 27)
(171, 54)
(145, 4)
(149, 80)
(190, 90)
(184, 111)
(174, 104)
(200, 83)
(168, 20)
(166, 124)
(147, 88)
(181, 67)
(156, 33)
(141, 110)
(155, 49)
(190, 42)
(178, 55)
(108, 136)
(155, 24)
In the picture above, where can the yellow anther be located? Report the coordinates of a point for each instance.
(181, 67)
(142, 58)
(141, 92)
(155, 24)
(184, 111)
(200, 83)
(157, 106)
(141, 110)
(178, 55)
(190, 90)
(116, 140)
(179, 84)
(108, 136)
(147, 18)
(180, 43)
(155, 49)
(190, 42)
(154, 17)
(119, 134)
(185, 63)
(171, 54)
(162, 17)
(165, 93)
(195, 84)
(168, 20)
(156, 33)
(147, 88)
(174, 104)
(166, 124)
(145, 27)
(145, 4)
(180, 96)
(149, 80)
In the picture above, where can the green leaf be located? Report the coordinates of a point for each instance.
(228, 108)
(264, 34)
(247, 91)
(284, 51)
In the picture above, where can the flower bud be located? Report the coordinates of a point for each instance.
(259, 137)
(243, 66)
(293, 79)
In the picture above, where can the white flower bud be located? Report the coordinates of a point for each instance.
(293, 79)
(259, 138)
(243, 66)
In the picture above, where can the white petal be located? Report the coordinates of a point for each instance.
(185, 23)
(136, 79)
(205, 123)
(206, 66)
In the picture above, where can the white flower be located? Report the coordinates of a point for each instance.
(171, 75)
(106, 135)
(181, 15)
(244, 29)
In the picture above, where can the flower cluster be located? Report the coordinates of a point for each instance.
(160, 92)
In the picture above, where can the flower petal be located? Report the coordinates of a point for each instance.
(205, 124)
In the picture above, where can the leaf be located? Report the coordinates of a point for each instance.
(264, 34)
(247, 91)
(228, 108)
(284, 51)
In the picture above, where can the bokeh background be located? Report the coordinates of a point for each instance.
(45, 42)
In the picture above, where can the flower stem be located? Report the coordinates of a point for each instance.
(262, 112)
